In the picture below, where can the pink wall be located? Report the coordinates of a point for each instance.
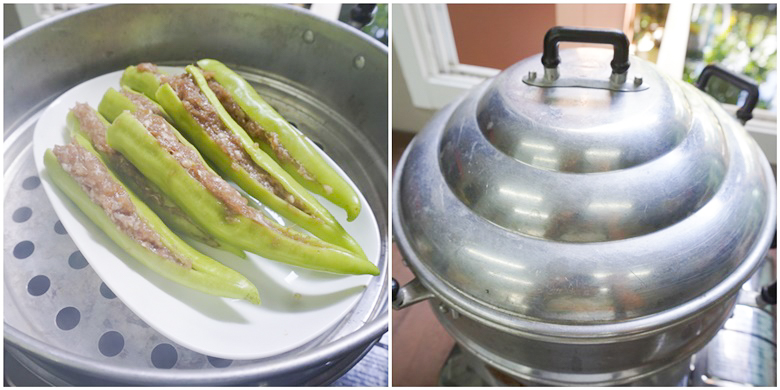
(498, 35)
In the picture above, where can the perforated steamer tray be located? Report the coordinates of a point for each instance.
(53, 295)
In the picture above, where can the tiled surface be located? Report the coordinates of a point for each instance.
(420, 343)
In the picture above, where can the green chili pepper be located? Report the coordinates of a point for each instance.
(259, 235)
(142, 81)
(298, 205)
(168, 211)
(205, 274)
(321, 178)
(115, 102)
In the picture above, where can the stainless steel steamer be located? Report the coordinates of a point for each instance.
(579, 220)
(326, 77)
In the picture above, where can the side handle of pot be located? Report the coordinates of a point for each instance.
(745, 113)
(769, 294)
(409, 294)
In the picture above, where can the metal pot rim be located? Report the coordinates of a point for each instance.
(578, 333)
(238, 374)
(476, 350)
(48, 22)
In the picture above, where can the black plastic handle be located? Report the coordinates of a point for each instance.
(745, 113)
(769, 294)
(616, 38)
(361, 14)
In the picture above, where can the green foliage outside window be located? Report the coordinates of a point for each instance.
(378, 27)
(740, 37)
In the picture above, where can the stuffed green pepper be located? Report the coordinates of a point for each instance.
(84, 120)
(79, 172)
(277, 137)
(115, 102)
(144, 78)
(176, 167)
(198, 113)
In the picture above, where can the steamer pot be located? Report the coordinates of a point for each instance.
(328, 78)
(581, 219)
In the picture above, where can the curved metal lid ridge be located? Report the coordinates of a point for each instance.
(583, 130)
(679, 210)
(577, 207)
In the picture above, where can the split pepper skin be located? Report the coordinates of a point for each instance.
(297, 155)
(168, 211)
(115, 102)
(284, 194)
(254, 233)
(197, 270)
(145, 81)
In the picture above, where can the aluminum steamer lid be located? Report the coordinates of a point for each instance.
(575, 195)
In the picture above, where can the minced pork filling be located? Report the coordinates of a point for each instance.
(190, 160)
(253, 128)
(196, 103)
(103, 190)
(142, 102)
(147, 67)
(94, 128)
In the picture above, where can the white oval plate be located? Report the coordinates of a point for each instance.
(298, 304)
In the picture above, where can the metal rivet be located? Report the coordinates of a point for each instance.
(442, 309)
(360, 62)
(637, 81)
(308, 36)
(531, 75)
(455, 314)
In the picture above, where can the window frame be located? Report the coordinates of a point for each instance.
(425, 45)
